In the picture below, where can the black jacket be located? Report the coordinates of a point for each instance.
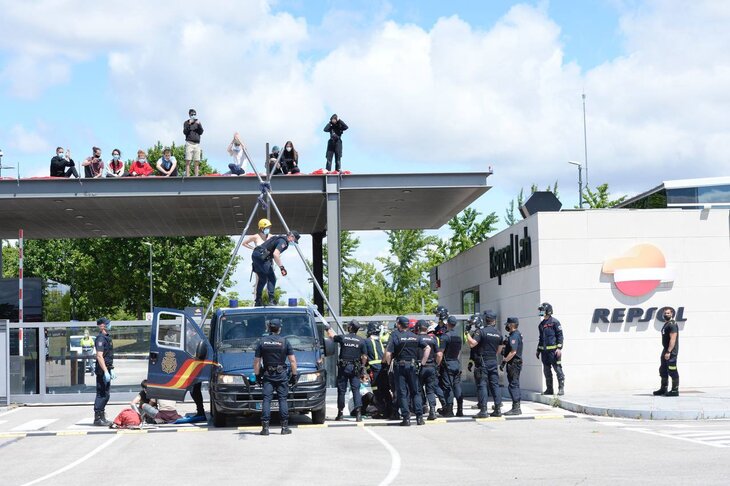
(335, 129)
(58, 164)
(192, 131)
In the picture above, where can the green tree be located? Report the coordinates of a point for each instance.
(467, 231)
(10, 260)
(110, 276)
(601, 198)
(510, 218)
(178, 151)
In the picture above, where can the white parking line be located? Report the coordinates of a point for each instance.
(10, 411)
(75, 463)
(394, 458)
(678, 437)
(36, 424)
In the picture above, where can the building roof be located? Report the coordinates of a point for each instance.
(198, 206)
(684, 193)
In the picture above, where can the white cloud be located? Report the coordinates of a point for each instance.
(27, 141)
(27, 76)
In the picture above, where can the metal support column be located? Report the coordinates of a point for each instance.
(333, 243)
(318, 269)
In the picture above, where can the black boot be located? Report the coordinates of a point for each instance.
(264, 428)
(674, 392)
(483, 413)
(100, 420)
(497, 411)
(339, 415)
(561, 387)
(419, 420)
(358, 416)
(515, 410)
(662, 388)
(549, 386)
(431, 415)
(285, 430)
(406, 422)
(460, 408)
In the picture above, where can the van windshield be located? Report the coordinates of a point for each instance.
(242, 332)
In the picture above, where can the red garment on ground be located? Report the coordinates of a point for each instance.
(138, 169)
(127, 418)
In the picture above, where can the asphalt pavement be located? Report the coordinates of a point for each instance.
(56, 445)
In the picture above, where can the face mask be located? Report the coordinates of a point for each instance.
(97, 156)
(115, 157)
(60, 154)
(109, 327)
(193, 118)
(236, 148)
(542, 313)
(141, 160)
(266, 231)
(288, 149)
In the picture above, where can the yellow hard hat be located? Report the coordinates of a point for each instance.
(264, 223)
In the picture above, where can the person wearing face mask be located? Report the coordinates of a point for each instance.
(93, 165)
(235, 150)
(668, 359)
(252, 241)
(116, 166)
(192, 129)
(550, 348)
(60, 162)
(262, 257)
(140, 167)
(290, 159)
(167, 164)
(335, 128)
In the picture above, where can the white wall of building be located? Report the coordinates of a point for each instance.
(568, 252)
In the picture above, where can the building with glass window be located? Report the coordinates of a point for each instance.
(710, 192)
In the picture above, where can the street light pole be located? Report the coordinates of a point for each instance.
(152, 305)
(580, 182)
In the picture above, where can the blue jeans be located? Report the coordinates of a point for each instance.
(236, 170)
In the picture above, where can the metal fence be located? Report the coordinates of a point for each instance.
(45, 362)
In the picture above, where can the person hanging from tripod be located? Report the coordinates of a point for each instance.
(261, 259)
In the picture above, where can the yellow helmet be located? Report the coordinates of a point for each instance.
(264, 223)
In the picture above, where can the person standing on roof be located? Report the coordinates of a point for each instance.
(261, 259)
(192, 129)
(335, 128)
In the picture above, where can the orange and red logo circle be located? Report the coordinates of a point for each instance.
(639, 271)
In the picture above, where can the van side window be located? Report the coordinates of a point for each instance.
(169, 330)
(192, 339)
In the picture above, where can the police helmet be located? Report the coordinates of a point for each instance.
(295, 235)
(441, 312)
(451, 321)
(274, 325)
(546, 308)
(401, 321)
(373, 328)
(353, 326)
(476, 321)
(264, 223)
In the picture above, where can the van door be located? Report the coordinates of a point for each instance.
(179, 355)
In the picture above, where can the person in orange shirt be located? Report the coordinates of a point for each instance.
(140, 167)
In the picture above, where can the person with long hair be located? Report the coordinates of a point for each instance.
(289, 159)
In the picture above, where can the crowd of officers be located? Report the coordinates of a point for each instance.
(419, 362)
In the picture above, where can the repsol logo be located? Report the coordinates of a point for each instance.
(518, 254)
(637, 314)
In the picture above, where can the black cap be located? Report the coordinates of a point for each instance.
(354, 323)
(295, 234)
(274, 325)
(513, 320)
(402, 321)
(102, 320)
(451, 321)
(422, 324)
(489, 315)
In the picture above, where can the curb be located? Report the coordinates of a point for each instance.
(644, 414)
(249, 428)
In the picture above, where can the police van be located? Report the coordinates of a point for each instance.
(181, 355)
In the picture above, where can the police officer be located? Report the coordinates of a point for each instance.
(442, 316)
(473, 324)
(451, 369)
(488, 343)
(261, 258)
(378, 373)
(104, 370)
(550, 346)
(402, 350)
(427, 372)
(269, 362)
(668, 359)
(353, 358)
(513, 361)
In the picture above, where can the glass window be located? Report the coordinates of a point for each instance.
(470, 301)
(682, 195)
(244, 330)
(169, 330)
(192, 338)
(714, 194)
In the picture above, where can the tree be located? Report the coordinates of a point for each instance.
(10, 260)
(178, 151)
(108, 276)
(467, 231)
(601, 197)
(510, 211)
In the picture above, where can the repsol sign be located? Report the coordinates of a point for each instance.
(633, 314)
(516, 255)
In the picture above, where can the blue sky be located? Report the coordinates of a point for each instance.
(425, 85)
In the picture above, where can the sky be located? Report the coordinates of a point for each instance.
(425, 86)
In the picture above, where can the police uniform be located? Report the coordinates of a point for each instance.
(261, 258)
(103, 343)
(378, 375)
(349, 368)
(427, 373)
(489, 340)
(451, 372)
(668, 367)
(514, 366)
(403, 346)
(550, 340)
(273, 351)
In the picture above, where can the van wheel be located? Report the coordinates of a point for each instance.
(318, 416)
(219, 419)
